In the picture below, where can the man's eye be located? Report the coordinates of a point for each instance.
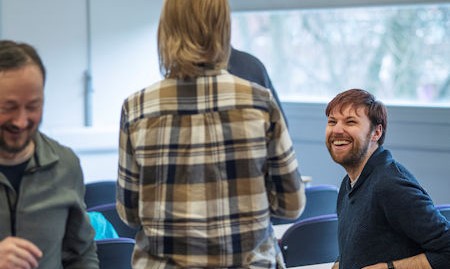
(6, 109)
(33, 108)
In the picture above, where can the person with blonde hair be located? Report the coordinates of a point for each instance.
(205, 158)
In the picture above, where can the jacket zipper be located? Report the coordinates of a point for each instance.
(12, 213)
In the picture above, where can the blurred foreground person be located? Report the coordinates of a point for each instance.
(43, 222)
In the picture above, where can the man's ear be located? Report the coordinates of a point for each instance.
(377, 133)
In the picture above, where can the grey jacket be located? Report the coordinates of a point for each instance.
(50, 211)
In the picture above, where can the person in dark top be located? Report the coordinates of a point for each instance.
(386, 219)
(248, 67)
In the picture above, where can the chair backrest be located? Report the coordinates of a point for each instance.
(101, 192)
(320, 200)
(111, 214)
(445, 210)
(311, 241)
(115, 253)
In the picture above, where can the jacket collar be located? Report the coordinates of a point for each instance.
(44, 154)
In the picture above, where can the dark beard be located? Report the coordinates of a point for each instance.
(15, 149)
(355, 158)
(356, 155)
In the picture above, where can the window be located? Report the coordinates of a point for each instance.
(399, 53)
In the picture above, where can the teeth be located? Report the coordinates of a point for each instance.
(340, 142)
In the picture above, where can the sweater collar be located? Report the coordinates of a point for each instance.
(379, 156)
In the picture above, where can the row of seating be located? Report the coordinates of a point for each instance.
(321, 201)
(311, 239)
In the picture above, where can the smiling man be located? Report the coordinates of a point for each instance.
(43, 220)
(386, 219)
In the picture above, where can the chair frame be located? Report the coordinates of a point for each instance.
(311, 241)
(312, 209)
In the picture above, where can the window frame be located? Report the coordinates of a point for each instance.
(239, 5)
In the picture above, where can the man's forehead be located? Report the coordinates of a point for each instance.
(349, 110)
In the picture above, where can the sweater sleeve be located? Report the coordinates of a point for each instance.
(410, 210)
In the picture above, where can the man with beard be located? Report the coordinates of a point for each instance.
(43, 222)
(386, 219)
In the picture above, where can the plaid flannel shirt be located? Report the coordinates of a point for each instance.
(203, 164)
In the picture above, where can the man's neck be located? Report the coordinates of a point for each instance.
(7, 158)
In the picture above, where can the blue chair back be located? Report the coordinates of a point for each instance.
(115, 253)
(445, 210)
(311, 241)
(320, 200)
(98, 193)
(111, 214)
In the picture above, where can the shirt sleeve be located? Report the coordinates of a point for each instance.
(408, 207)
(128, 176)
(285, 187)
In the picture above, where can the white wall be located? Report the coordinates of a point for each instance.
(122, 47)
(124, 53)
(58, 30)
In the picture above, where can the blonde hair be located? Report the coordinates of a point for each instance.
(193, 35)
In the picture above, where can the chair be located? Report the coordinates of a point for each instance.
(311, 241)
(445, 210)
(320, 200)
(98, 193)
(115, 253)
(110, 213)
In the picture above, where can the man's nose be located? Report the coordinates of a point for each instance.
(338, 128)
(20, 119)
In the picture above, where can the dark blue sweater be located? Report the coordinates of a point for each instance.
(248, 67)
(389, 216)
